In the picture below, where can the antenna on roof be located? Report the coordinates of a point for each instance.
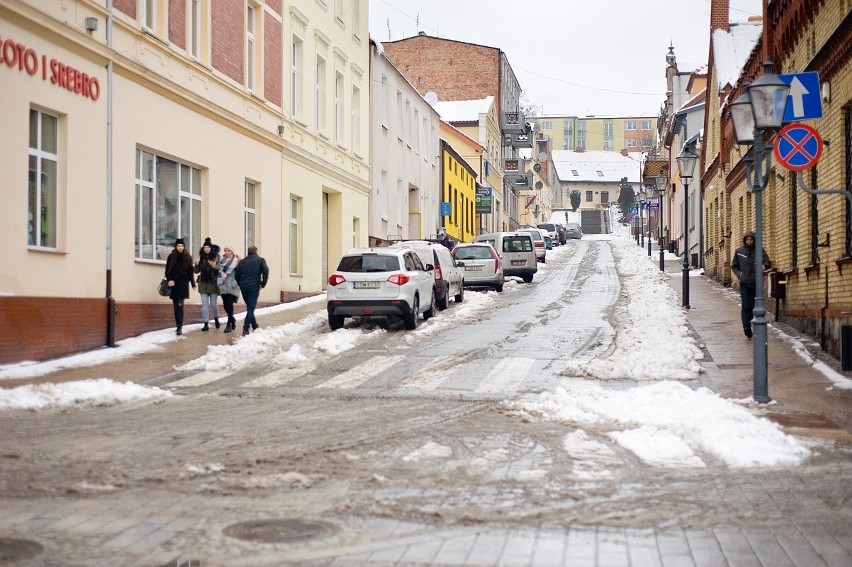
(417, 22)
(389, 30)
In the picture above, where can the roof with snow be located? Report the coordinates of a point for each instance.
(463, 110)
(732, 48)
(603, 167)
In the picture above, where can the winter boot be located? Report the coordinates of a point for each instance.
(206, 326)
(233, 321)
(228, 327)
(217, 322)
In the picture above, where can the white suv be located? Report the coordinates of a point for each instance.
(449, 277)
(381, 282)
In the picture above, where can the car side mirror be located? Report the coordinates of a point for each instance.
(460, 264)
(429, 267)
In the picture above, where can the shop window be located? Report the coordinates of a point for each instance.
(42, 214)
(168, 205)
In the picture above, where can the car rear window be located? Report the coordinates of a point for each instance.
(369, 263)
(473, 253)
(548, 226)
(517, 244)
(536, 235)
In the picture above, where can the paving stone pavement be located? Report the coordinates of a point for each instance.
(132, 524)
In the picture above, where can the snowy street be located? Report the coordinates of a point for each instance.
(573, 415)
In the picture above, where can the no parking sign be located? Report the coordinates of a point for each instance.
(798, 147)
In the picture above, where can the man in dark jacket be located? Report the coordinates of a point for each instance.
(251, 275)
(743, 266)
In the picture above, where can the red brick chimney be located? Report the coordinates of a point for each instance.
(720, 18)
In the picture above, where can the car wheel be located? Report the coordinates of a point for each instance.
(499, 288)
(432, 311)
(544, 260)
(528, 279)
(460, 295)
(335, 322)
(444, 302)
(412, 318)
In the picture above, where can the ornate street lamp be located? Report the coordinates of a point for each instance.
(686, 161)
(660, 181)
(640, 201)
(759, 110)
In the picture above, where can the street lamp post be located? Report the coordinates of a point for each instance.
(649, 190)
(640, 235)
(759, 110)
(661, 191)
(686, 161)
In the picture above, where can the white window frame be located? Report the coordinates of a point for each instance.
(339, 84)
(400, 119)
(646, 124)
(250, 197)
(630, 125)
(43, 191)
(294, 257)
(182, 222)
(296, 76)
(383, 197)
(356, 119)
(355, 6)
(251, 46)
(195, 26)
(401, 202)
(385, 102)
(320, 94)
(148, 15)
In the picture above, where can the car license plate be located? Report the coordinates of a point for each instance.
(366, 285)
(473, 268)
(519, 262)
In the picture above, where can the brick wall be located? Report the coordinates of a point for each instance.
(275, 6)
(272, 64)
(453, 70)
(125, 6)
(41, 328)
(177, 23)
(228, 38)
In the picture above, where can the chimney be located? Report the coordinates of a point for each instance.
(720, 18)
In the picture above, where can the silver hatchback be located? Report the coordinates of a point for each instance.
(482, 265)
(381, 282)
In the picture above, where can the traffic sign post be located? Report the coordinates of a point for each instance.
(805, 99)
(798, 147)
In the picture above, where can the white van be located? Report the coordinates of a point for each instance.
(515, 250)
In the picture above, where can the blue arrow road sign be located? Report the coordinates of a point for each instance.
(805, 100)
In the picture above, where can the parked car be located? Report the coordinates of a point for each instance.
(381, 282)
(482, 265)
(449, 277)
(552, 231)
(574, 230)
(516, 252)
(538, 242)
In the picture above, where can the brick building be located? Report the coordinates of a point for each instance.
(808, 237)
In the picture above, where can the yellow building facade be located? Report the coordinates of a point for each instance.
(458, 188)
(599, 133)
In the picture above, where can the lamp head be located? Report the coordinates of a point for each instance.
(768, 99)
(686, 161)
(660, 180)
(743, 118)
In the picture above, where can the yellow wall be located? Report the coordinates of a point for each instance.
(459, 189)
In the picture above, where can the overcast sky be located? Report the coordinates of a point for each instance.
(572, 57)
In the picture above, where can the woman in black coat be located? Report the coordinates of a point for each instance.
(179, 272)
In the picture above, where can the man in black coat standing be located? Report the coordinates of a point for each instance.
(251, 275)
(743, 266)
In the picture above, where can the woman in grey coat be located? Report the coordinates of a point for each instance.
(228, 287)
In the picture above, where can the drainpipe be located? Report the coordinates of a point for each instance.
(110, 299)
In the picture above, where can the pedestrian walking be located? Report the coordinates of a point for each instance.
(228, 287)
(743, 266)
(207, 269)
(180, 276)
(252, 273)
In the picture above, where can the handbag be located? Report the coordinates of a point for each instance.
(164, 288)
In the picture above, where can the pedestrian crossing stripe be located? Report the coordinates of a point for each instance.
(201, 379)
(430, 376)
(359, 374)
(506, 376)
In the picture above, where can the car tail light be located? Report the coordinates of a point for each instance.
(496, 260)
(439, 275)
(335, 279)
(399, 279)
